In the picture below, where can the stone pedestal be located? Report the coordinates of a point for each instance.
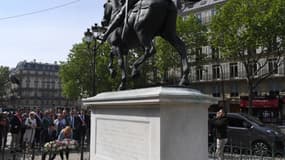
(160, 123)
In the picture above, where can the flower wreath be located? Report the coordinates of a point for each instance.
(57, 145)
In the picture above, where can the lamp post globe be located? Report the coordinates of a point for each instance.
(88, 36)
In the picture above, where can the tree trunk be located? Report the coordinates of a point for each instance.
(250, 98)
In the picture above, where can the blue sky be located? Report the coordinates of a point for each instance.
(47, 36)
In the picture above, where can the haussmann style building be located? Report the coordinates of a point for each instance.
(227, 79)
(37, 85)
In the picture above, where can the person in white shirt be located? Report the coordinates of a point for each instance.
(31, 124)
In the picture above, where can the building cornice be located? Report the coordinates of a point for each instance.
(200, 6)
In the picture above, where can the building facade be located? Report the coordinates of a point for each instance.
(227, 79)
(37, 85)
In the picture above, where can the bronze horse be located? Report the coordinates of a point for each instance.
(147, 19)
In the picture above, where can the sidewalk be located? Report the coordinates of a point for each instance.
(21, 156)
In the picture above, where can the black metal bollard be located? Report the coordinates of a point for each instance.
(24, 150)
(14, 156)
(240, 151)
(33, 152)
(82, 149)
(3, 152)
(231, 149)
(273, 152)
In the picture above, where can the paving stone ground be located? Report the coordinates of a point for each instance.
(6, 155)
(21, 156)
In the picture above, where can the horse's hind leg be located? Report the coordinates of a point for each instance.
(122, 65)
(110, 65)
(179, 45)
(149, 50)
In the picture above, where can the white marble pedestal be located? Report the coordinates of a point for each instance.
(160, 123)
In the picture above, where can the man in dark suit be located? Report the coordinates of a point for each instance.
(84, 131)
(16, 126)
(38, 117)
(75, 123)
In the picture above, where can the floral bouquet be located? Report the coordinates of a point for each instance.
(55, 146)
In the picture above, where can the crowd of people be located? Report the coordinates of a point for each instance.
(30, 128)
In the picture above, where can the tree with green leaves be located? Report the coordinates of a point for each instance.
(77, 73)
(252, 32)
(4, 81)
(194, 34)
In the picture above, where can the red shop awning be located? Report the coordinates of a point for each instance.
(260, 103)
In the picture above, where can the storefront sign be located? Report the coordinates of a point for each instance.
(261, 103)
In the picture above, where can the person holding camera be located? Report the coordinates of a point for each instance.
(220, 122)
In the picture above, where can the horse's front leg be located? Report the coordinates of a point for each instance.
(112, 71)
(149, 50)
(122, 65)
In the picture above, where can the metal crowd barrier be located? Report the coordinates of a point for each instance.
(35, 152)
(240, 152)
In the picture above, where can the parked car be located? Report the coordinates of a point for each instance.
(249, 134)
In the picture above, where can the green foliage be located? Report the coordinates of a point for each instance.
(248, 30)
(4, 79)
(248, 24)
(77, 73)
(166, 55)
(193, 33)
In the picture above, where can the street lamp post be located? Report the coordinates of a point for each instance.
(89, 37)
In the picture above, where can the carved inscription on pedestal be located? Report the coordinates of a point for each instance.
(122, 139)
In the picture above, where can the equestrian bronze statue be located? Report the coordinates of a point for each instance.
(134, 24)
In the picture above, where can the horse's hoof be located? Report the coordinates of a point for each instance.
(122, 87)
(113, 73)
(135, 73)
(184, 82)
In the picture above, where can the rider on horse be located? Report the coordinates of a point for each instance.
(125, 9)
